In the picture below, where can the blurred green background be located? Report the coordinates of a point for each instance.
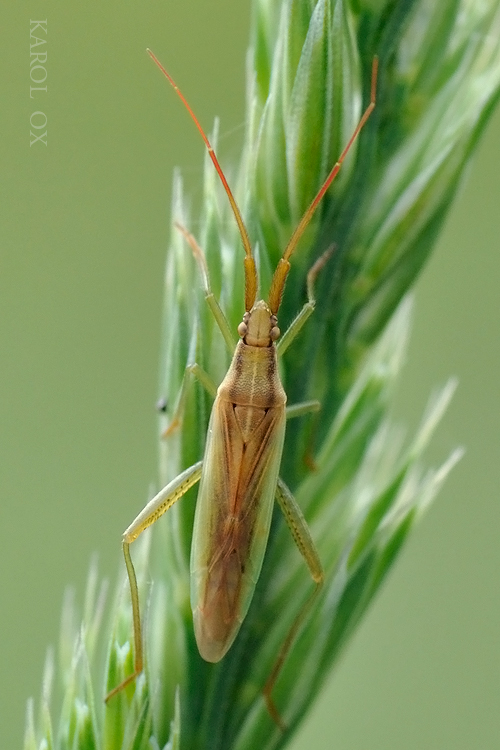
(84, 228)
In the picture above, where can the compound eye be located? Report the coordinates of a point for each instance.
(242, 329)
(275, 333)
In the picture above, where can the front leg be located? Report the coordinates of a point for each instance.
(214, 306)
(296, 325)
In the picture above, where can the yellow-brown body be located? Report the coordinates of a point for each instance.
(238, 486)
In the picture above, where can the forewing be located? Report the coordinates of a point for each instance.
(233, 515)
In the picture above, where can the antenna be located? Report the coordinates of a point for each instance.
(250, 269)
(283, 267)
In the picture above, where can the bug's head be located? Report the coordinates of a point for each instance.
(259, 326)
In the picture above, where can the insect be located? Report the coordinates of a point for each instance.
(239, 474)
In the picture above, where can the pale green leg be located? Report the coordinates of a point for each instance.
(304, 541)
(204, 378)
(221, 320)
(300, 530)
(296, 325)
(305, 407)
(148, 515)
(214, 306)
(298, 410)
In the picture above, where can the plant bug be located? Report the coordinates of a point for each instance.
(239, 474)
